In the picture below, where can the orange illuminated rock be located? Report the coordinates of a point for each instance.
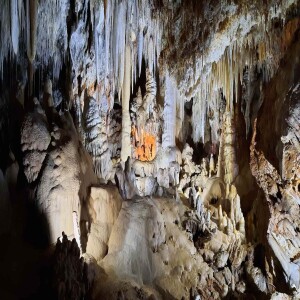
(144, 144)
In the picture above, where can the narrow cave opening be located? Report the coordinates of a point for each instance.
(259, 257)
(140, 81)
(200, 150)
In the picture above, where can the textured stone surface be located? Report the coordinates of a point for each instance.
(166, 143)
(104, 207)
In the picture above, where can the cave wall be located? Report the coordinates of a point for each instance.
(191, 101)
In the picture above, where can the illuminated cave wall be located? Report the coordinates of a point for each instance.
(144, 144)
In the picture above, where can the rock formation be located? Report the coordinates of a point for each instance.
(150, 149)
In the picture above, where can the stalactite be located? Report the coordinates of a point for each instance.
(126, 124)
(52, 41)
(5, 33)
(140, 48)
(121, 24)
(31, 10)
(225, 71)
(168, 138)
(15, 24)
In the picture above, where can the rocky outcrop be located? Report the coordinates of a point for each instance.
(70, 278)
(53, 153)
(282, 194)
(35, 140)
(67, 174)
(104, 206)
